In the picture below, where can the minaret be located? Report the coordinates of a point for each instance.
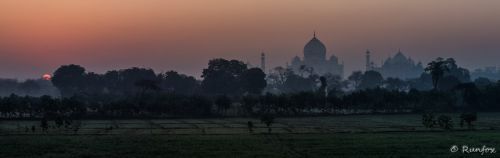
(263, 62)
(368, 62)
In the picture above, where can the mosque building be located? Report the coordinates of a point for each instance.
(398, 66)
(315, 60)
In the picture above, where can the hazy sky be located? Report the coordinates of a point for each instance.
(37, 36)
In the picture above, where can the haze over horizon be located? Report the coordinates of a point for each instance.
(36, 37)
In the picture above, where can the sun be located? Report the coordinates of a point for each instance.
(47, 77)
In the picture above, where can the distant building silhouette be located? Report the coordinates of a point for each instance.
(398, 66)
(263, 62)
(369, 64)
(315, 58)
(490, 72)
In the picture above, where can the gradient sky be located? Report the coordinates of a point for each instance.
(37, 36)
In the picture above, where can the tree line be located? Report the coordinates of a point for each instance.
(230, 88)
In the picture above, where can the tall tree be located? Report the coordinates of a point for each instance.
(437, 68)
(448, 82)
(470, 96)
(277, 79)
(179, 83)
(395, 84)
(355, 78)
(223, 103)
(129, 78)
(69, 79)
(295, 83)
(460, 73)
(253, 81)
(221, 76)
(334, 83)
(370, 80)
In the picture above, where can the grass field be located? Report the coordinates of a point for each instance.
(405, 144)
(339, 136)
(335, 124)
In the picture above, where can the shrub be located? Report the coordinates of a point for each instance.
(445, 122)
(468, 118)
(428, 120)
(267, 119)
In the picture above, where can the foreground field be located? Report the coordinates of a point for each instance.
(402, 144)
(339, 136)
(303, 125)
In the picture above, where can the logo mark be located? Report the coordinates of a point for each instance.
(454, 148)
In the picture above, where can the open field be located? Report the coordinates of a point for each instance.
(338, 136)
(404, 144)
(334, 124)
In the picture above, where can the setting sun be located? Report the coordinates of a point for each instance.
(47, 77)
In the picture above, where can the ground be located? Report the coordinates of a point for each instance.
(338, 136)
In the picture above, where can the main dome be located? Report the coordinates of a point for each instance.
(314, 49)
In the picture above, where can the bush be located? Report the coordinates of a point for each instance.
(267, 119)
(468, 118)
(445, 122)
(428, 120)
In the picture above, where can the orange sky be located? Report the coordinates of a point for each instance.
(37, 36)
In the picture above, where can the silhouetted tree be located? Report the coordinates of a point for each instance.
(223, 103)
(334, 84)
(253, 81)
(323, 86)
(468, 118)
(277, 79)
(445, 122)
(179, 83)
(470, 95)
(250, 126)
(305, 71)
(201, 106)
(222, 76)
(44, 124)
(69, 79)
(93, 84)
(437, 68)
(113, 82)
(371, 79)
(267, 119)
(395, 84)
(295, 83)
(59, 122)
(129, 78)
(334, 103)
(423, 83)
(249, 102)
(356, 77)
(428, 120)
(461, 74)
(146, 85)
(448, 83)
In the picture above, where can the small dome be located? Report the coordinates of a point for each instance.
(334, 59)
(399, 58)
(314, 49)
(296, 60)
